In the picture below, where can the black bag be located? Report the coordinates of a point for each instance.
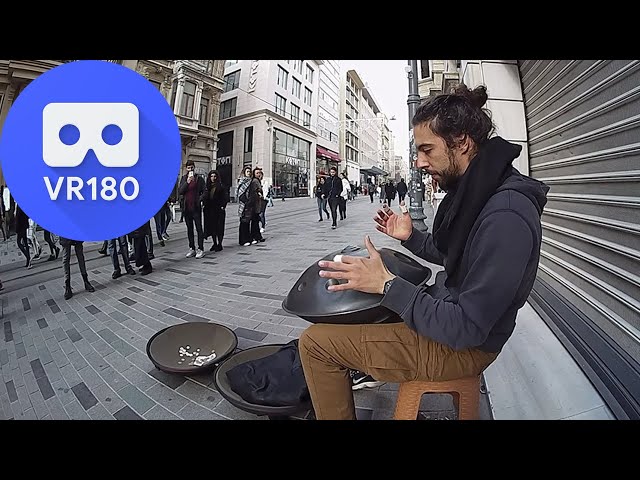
(276, 380)
(243, 198)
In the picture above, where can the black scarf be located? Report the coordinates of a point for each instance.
(464, 201)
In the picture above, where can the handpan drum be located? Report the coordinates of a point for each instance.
(191, 348)
(310, 299)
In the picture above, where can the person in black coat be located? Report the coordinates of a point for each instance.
(402, 190)
(66, 245)
(320, 199)
(252, 207)
(332, 191)
(192, 187)
(214, 201)
(390, 192)
(140, 247)
(22, 225)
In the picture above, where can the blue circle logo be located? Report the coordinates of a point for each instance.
(90, 150)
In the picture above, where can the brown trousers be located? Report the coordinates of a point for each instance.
(388, 352)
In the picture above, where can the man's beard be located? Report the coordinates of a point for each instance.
(449, 178)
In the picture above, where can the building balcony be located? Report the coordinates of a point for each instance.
(187, 126)
(200, 66)
(30, 69)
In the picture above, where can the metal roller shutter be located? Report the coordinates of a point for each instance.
(583, 123)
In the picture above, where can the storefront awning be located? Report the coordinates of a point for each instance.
(373, 171)
(328, 154)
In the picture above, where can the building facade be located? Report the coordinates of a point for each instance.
(437, 76)
(192, 88)
(15, 75)
(366, 141)
(374, 133)
(385, 150)
(351, 86)
(268, 118)
(328, 128)
(400, 169)
(196, 87)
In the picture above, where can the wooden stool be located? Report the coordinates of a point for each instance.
(465, 392)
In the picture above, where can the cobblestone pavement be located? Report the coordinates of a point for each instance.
(85, 358)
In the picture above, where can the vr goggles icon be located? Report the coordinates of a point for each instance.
(70, 130)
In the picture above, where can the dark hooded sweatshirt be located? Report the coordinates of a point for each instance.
(496, 271)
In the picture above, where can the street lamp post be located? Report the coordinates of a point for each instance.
(416, 187)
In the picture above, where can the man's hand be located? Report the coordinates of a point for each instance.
(189, 178)
(396, 226)
(366, 275)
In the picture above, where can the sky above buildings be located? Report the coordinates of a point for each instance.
(387, 80)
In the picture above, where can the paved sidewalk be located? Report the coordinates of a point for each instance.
(85, 358)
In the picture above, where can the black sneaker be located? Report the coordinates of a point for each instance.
(360, 380)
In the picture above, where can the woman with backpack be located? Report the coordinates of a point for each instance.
(242, 196)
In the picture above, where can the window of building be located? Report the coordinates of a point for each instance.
(283, 77)
(204, 111)
(352, 154)
(248, 139)
(174, 90)
(188, 98)
(228, 63)
(280, 142)
(425, 69)
(291, 164)
(281, 105)
(231, 81)
(228, 108)
(293, 145)
(295, 87)
(306, 119)
(156, 83)
(309, 75)
(295, 113)
(307, 96)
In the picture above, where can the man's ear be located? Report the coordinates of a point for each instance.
(464, 143)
